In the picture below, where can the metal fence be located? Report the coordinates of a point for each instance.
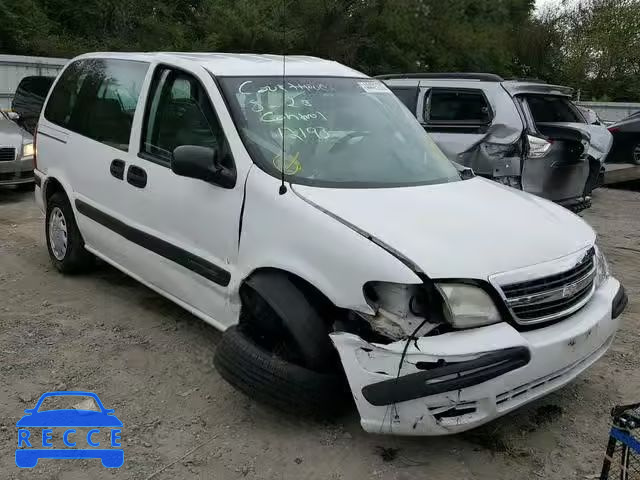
(611, 111)
(14, 68)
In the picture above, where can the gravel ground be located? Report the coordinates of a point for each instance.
(152, 362)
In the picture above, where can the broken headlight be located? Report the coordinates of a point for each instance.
(400, 309)
(468, 306)
(602, 268)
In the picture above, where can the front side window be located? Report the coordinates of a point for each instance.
(179, 113)
(97, 98)
(548, 108)
(336, 132)
(452, 106)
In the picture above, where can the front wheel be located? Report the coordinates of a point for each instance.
(64, 241)
(272, 380)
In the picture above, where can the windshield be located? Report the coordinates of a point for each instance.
(337, 132)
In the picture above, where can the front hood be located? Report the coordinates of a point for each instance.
(600, 139)
(466, 229)
(11, 135)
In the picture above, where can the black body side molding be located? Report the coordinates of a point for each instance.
(167, 250)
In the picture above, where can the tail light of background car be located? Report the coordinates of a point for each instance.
(538, 147)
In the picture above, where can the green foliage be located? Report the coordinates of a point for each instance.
(593, 45)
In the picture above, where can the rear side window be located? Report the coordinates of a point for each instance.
(408, 96)
(546, 108)
(179, 113)
(451, 106)
(97, 98)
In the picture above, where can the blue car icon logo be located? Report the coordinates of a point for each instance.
(88, 414)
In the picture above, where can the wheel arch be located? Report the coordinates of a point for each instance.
(276, 303)
(314, 294)
(51, 186)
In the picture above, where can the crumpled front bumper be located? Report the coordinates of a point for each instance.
(457, 381)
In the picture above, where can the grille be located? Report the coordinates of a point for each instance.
(7, 154)
(554, 296)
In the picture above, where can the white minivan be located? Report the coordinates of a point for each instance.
(310, 217)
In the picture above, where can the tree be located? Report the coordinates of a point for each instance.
(593, 45)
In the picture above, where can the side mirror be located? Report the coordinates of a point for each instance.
(202, 163)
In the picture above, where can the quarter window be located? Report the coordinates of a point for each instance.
(97, 98)
(179, 113)
(449, 106)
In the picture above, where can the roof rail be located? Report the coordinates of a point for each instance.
(487, 77)
(526, 79)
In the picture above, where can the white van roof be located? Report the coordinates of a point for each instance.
(243, 64)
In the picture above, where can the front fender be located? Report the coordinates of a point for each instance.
(285, 232)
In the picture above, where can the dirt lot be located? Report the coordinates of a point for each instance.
(152, 363)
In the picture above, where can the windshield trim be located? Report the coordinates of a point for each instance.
(294, 180)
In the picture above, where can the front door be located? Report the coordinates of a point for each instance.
(186, 230)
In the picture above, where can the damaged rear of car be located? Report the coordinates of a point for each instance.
(525, 134)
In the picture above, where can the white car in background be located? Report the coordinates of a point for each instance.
(16, 154)
(311, 218)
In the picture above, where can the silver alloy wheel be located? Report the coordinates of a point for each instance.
(636, 154)
(58, 233)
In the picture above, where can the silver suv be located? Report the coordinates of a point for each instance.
(523, 133)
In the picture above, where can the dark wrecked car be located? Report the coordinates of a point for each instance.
(526, 134)
(29, 98)
(626, 140)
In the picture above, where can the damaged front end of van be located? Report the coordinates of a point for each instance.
(421, 366)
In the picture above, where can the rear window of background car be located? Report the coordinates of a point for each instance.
(457, 106)
(97, 98)
(553, 109)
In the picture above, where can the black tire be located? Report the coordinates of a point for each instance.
(275, 382)
(635, 154)
(26, 187)
(76, 259)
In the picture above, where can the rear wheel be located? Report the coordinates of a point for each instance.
(64, 241)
